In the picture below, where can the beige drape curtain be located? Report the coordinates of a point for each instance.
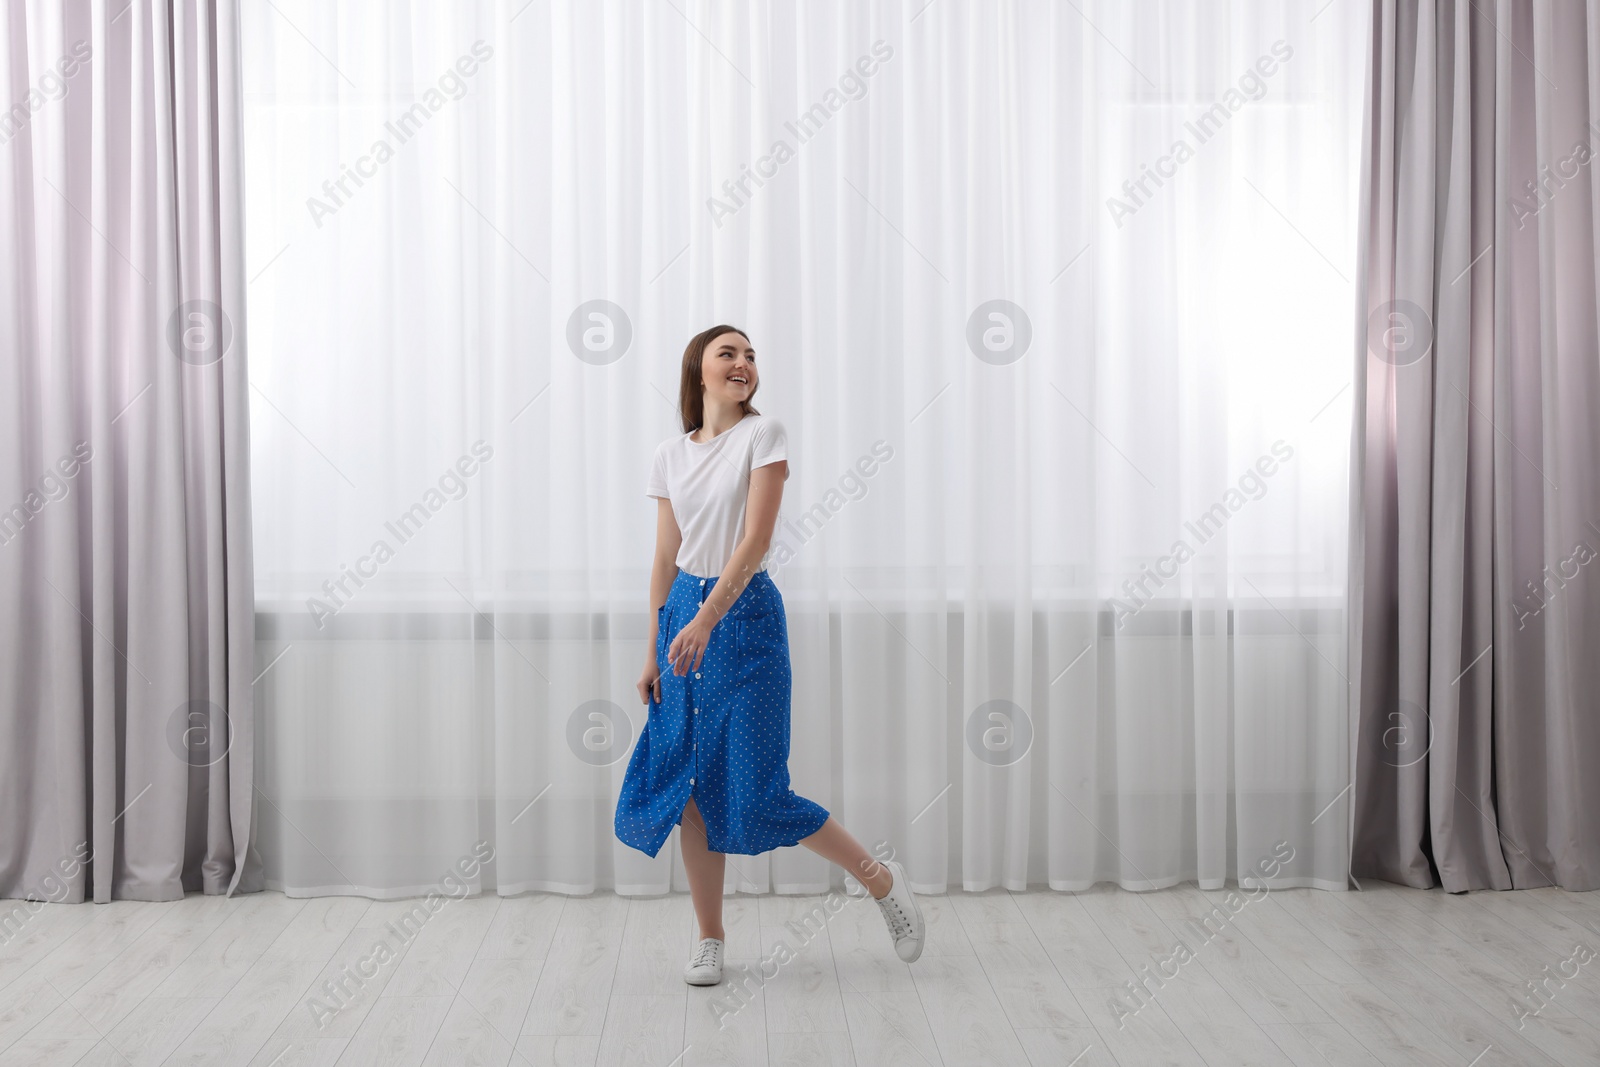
(1475, 573)
(127, 637)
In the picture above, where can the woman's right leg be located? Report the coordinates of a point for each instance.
(706, 871)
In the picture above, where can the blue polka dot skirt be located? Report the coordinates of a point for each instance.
(720, 733)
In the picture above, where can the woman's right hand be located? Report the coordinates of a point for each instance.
(650, 682)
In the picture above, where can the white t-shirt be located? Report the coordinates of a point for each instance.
(708, 484)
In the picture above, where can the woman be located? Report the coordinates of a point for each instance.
(713, 756)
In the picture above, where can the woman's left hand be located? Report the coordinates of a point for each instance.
(688, 648)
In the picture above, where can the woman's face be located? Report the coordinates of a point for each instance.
(728, 368)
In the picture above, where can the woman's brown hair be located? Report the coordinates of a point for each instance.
(691, 394)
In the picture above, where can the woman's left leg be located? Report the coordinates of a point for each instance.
(833, 842)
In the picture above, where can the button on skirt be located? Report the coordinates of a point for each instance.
(720, 733)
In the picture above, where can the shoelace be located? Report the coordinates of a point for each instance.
(707, 955)
(899, 925)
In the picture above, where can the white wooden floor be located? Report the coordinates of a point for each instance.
(1388, 975)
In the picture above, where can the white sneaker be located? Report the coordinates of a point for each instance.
(900, 912)
(706, 967)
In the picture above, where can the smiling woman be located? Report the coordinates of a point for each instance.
(726, 729)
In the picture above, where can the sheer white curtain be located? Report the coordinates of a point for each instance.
(1055, 301)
